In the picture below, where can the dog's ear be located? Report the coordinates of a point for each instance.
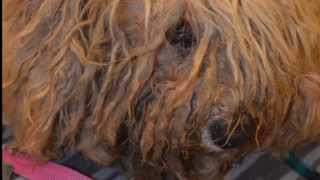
(309, 89)
(305, 115)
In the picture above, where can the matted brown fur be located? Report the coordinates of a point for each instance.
(105, 77)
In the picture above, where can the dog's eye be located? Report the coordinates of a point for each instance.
(219, 134)
(181, 35)
(217, 131)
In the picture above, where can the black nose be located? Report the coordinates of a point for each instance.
(218, 130)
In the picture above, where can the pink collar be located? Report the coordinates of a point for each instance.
(33, 170)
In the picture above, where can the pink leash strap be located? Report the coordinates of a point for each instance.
(31, 169)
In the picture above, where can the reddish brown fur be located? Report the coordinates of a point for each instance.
(101, 77)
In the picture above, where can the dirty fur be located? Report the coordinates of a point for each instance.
(115, 79)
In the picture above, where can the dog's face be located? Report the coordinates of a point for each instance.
(173, 82)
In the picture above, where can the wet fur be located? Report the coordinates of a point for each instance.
(104, 77)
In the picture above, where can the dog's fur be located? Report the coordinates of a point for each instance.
(145, 80)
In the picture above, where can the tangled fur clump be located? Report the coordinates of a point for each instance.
(134, 79)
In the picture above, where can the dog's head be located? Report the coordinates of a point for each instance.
(173, 82)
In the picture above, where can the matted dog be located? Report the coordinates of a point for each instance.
(177, 88)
